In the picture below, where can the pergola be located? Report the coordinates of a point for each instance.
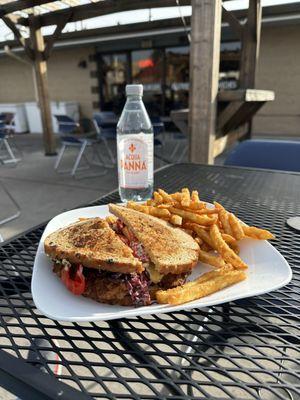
(207, 15)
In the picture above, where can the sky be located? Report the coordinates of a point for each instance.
(138, 16)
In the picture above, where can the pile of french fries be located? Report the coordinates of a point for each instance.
(216, 230)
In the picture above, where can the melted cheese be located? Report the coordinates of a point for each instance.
(155, 276)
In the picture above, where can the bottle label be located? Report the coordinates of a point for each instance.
(135, 160)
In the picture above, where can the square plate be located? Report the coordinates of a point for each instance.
(268, 270)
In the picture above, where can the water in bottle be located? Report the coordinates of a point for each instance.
(135, 148)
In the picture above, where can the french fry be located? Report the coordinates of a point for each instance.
(223, 215)
(157, 198)
(236, 227)
(207, 211)
(235, 248)
(228, 238)
(165, 196)
(186, 197)
(194, 206)
(257, 233)
(176, 220)
(138, 207)
(176, 196)
(211, 259)
(203, 234)
(195, 196)
(159, 212)
(203, 286)
(232, 242)
(164, 206)
(224, 250)
(192, 217)
(206, 247)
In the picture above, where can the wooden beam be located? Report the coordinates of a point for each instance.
(40, 66)
(101, 8)
(237, 114)
(19, 5)
(204, 77)
(233, 22)
(224, 142)
(246, 95)
(58, 30)
(250, 45)
(23, 42)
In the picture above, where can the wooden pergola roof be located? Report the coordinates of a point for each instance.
(48, 13)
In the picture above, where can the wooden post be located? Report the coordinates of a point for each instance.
(40, 67)
(204, 77)
(250, 45)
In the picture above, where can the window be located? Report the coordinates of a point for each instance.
(177, 78)
(114, 69)
(147, 69)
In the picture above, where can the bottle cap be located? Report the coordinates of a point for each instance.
(135, 90)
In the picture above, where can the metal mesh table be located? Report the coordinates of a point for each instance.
(247, 349)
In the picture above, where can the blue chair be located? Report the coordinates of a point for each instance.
(67, 128)
(281, 155)
(107, 123)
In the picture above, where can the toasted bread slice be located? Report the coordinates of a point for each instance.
(93, 244)
(170, 249)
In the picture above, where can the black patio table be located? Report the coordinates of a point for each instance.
(246, 349)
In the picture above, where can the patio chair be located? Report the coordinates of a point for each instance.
(9, 119)
(281, 155)
(107, 123)
(102, 139)
(67, 128)
(9, 158)
(14, 202)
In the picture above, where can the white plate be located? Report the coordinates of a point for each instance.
(268, 271)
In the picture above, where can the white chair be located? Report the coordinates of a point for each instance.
(8, 157)
(14, 202)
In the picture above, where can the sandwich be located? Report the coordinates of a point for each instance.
(123, 259)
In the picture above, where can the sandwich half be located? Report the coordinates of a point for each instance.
(168, 250)
(122, 260)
